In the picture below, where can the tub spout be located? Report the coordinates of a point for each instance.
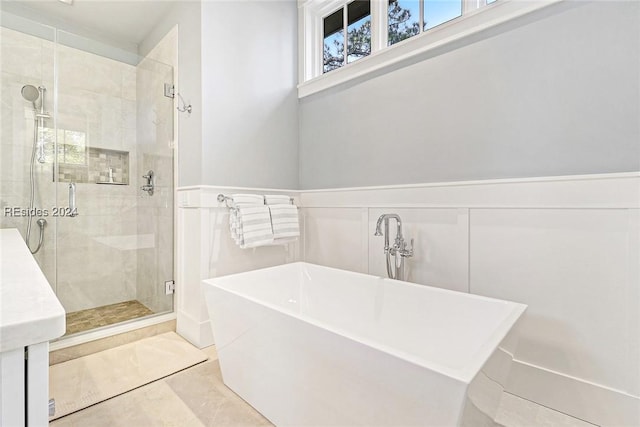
(399, 250)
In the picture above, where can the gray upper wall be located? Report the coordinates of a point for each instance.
(243, 130)
(249, 95)
(559, 95)
(187, 15)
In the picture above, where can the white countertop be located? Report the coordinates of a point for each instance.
(30, 312)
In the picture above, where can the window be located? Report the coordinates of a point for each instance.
(407, 18)
(437, 12)
(72, 147)
(333, 56)
(403, 20)
(342, 39)
(358, 35)
(347, 29)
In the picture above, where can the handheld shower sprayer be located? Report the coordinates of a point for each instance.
(32, 94)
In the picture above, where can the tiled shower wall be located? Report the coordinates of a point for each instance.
(25, 60)
(92, 259)
(83, 264)
(96, 250)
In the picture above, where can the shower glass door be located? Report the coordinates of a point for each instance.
(108, 243)
(113, 126)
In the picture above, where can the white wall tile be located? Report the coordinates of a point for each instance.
(21, 55)
(129, 84)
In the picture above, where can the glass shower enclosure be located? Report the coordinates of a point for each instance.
(87, 170)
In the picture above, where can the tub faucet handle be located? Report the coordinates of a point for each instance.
(407, 252)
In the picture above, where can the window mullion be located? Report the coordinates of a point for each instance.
(471, 5)
(345, 24)
(316, 49)
(421, 16)
(379, 24)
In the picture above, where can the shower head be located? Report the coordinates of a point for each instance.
(30, 93)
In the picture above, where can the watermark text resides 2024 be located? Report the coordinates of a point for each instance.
(17, 212)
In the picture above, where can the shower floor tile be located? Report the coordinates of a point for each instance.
(84, 320)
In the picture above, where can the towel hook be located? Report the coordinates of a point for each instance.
(184, 108)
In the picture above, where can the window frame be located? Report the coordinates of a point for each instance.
(477, 15)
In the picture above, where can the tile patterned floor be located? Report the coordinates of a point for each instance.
(85, 349)
(196, 397)
(517, 412)
(80, 383)
(84, 320)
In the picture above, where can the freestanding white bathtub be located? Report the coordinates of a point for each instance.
(314, 346)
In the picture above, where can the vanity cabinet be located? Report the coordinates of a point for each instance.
(30, 316)
(24, 386)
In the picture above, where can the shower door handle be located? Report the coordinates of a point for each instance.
(73, 210)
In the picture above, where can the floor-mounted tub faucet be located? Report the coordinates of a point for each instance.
(399, 250)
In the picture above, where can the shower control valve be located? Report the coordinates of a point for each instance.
(150, 186)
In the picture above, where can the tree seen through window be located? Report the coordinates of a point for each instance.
(403, 17)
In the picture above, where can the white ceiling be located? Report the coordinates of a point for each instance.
(125, 23)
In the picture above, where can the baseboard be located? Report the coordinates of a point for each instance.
(581, 399)
(198, 333)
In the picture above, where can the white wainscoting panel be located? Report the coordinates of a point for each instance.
(572, 267)
(441, 241)
(566, 246)
(334, 238)
(228, 258)
(206, 250)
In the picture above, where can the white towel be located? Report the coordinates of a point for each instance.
(285, 221)
(247, 199)
(251, 226)
(234, 225)
(277, 199)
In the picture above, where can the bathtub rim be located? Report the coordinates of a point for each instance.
(464, 375)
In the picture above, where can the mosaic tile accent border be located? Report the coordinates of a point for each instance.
(98, 161)
(72, 173)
